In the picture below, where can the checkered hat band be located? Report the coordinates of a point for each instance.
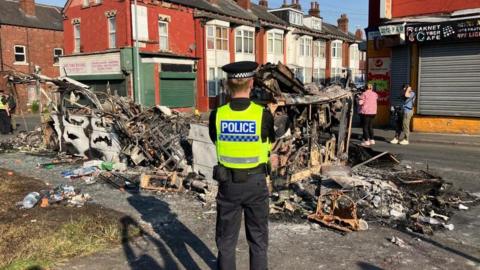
(239, 138)
(242, 75)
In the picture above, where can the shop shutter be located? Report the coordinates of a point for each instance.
(148, 84)
(177, 89)
(400, 73)
(449, 80)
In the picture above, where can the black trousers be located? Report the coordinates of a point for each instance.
(251, 199)
(367, 124)
(5, 125)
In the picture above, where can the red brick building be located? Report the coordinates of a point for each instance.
(435, 47)
(183, 44)
(31, 38)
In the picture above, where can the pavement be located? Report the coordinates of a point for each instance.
(383, 134)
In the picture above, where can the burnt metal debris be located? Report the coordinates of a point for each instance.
(316, 174)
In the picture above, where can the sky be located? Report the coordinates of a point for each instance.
(330, 10)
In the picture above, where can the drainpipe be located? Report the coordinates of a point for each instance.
(136, 51)
(1, 51)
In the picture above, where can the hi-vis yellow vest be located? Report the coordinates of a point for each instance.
(239, 141)
(2, 106)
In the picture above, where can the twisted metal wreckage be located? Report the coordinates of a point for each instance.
(313, 128)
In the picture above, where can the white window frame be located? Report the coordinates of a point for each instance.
(222, 39)
(273, 39)
(336, 74)
(215, 77)
(55, 56)
(112, 32)
(24, 54)
(77, 38)
(322, 49)
(302, 46)
(337, 49)
(308, 47)
(85, 3)
(163, 36)
(98, 2)
(296, 18)
(242, 41)
(316, 49)
(210, 37)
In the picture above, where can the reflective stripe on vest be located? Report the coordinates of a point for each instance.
(2, 106)
(239, 143)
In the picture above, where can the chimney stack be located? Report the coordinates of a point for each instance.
(359, 34)
(263, 3)
(245, 4)
(343, 23)
(314, 9)
(28, 7)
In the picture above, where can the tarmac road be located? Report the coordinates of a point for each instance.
(181, 235)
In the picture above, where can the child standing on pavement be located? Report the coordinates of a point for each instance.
(368, 110)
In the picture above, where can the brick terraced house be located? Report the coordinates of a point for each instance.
(31, 39)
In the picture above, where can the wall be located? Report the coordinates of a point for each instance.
(181, 31)
(403, 8)
(39, 45)
(93, 26)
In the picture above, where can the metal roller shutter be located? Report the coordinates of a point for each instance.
(449, 80)
(400, 73)
(177, 89)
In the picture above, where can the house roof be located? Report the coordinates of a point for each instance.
(333, 30)
(263, 14)
(46, 17)
(224, 7)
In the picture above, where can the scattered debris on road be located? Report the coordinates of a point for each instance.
(316, 174)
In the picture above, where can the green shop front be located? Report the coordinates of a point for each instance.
(168, 79)
(100, 71)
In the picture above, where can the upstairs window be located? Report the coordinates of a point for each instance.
(112, 32)
(302, 47)
(308, 47)
(316, 49)
(57, 52)
(275, 43)
(316, 24)
(244, 41)
(322, 49)
(337, 49)
(163, 35)
(20, 54)
(296, 18)
(85, 3)
(76, 38)
(221, 38)
(211, 37)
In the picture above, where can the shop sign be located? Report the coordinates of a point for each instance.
(389, 30)
(379, 77)
(446, 31)
(98, 64)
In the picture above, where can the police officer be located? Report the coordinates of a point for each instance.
(242, 132)
(5, 127)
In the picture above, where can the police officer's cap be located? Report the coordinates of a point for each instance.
(240, 70)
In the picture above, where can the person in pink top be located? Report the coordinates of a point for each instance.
(368, 110)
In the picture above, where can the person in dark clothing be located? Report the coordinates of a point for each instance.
(12, 105)
(5, 126)
(242, 132)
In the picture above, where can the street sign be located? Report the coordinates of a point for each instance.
(389, 30)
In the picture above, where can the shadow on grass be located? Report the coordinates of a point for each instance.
(174, 243)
